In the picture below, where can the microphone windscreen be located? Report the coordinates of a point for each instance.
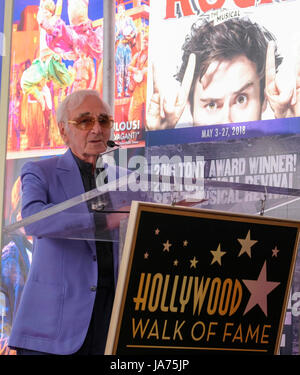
(111, 143)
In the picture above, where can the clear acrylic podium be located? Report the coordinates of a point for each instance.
(102, 214)
(90, 216)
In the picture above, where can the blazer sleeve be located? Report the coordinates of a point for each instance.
(36, 198)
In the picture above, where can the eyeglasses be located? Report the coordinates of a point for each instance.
(87, 122)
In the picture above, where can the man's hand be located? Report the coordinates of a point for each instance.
(113, 220)
(296, 102)
(280, 91)
(171, 108)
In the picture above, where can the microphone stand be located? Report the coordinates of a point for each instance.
(115, 146)
(110, 143)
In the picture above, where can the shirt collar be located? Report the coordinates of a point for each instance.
(84, 166)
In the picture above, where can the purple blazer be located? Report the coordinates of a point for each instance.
(58, 297)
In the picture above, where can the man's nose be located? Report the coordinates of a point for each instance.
(226, 113)
(97, 128)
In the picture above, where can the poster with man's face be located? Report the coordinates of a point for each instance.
(230, 62)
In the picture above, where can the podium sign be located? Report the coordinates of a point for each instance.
(196, 281)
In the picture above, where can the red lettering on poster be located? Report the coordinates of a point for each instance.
(265, 1)
(206, 6)
(185, 6)
(245, 3)
(250, 3)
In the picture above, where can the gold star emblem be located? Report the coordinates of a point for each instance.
(275, 252)
(217, 254)
(193, 261)
(167, 246)
(146, 255)
(157, 231)
(185, 243)
(246, 243)
(175, 263)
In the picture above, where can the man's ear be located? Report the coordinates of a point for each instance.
(63, 133)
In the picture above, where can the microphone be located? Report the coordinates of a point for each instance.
(98, 205)
(111, 143)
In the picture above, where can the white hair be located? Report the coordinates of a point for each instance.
(73, 101)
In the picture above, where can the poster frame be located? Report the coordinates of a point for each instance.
(4, 102)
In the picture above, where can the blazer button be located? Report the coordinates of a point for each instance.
(93, 288)
(94, 258)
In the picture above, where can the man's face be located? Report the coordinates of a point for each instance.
(229, 91)
(86, 144)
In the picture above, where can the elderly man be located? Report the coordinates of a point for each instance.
(67, 300)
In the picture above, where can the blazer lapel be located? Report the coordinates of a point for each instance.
(69, 175)
(71, 182)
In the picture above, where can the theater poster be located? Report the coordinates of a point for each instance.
(210, 61)
(57, 48)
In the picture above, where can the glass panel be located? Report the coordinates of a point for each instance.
(96, 214)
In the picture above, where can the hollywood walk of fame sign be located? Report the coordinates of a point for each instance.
(197, 281)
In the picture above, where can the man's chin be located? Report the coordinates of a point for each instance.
(96, 148)
(95, 152)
